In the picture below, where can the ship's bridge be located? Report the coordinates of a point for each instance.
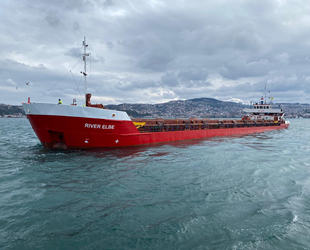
(263, 108)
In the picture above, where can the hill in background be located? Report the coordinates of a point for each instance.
(198, 107)
(11, 110)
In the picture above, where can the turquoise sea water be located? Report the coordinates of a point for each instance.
(246, 192)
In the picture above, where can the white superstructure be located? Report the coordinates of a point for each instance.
(264, 112)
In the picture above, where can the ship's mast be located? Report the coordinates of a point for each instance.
(265, 95)
(84, 59)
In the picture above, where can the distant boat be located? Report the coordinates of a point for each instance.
(93, 126)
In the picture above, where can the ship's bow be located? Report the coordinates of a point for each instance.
(70, 126)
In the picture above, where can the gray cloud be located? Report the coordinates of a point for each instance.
(153, 51)
(110, 45)
(157, 60)
(170, 79)
(137, 85)
(193, 74)
(233, 70)
(192, 77)
(74, 52)
(52, 19)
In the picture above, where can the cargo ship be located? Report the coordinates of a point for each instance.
(61, 126)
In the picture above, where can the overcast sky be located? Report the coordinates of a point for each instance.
(154, 51)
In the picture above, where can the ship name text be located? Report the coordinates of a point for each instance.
(99, 126)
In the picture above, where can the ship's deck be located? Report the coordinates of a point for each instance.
(165, 125)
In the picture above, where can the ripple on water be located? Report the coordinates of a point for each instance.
(243, 192)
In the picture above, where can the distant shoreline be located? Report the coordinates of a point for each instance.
(13, 117)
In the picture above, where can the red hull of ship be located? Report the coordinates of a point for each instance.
(75, 132)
